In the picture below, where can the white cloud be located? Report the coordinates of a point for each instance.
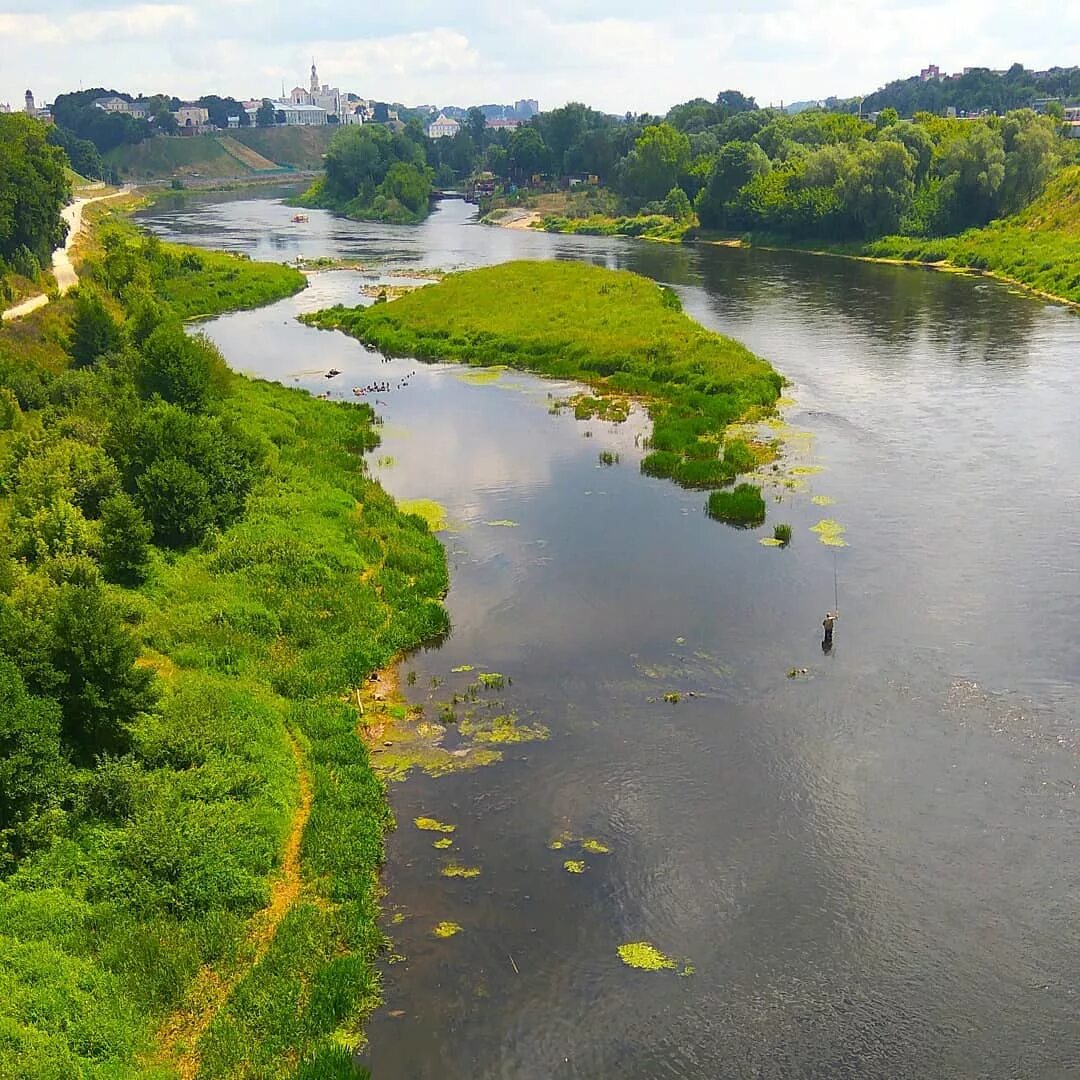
(632, 54)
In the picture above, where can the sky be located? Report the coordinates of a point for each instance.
(616, 55)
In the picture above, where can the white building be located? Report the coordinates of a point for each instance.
(4, 107)
(119, 105)
(298, 115)
(328, 98)
(442, 127)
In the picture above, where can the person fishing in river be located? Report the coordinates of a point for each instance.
(827, 624)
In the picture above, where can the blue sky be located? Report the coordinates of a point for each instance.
(628, 55)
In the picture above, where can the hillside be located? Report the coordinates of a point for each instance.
(223, 155)
(1039, 247)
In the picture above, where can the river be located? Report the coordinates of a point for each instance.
(873, 868)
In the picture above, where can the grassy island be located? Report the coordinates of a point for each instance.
(196, 579)
(617, 331)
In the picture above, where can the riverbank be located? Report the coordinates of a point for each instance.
(1037, 249)
(617, 332)
(208, 554)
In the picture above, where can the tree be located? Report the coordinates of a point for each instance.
(1030, 157)
(677, 205)
(265, 116)
(180, 369)
(409, 185)
(33, 189)
(528, 153)
(125, 541)
(879, 187)
(736, 165)
(82, 153)
(101, 689)
(476, 126)
(94, 332)
(220, 109)
(660, 156)
(32, 767)
(972, 168)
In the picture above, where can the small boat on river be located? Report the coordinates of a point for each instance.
(299, 219)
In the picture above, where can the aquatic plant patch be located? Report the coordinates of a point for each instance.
(446, 929)
(645, 957)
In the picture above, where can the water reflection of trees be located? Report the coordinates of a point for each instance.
(967, 319)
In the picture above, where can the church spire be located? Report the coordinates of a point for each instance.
(314, 77)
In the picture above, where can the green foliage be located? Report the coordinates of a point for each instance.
(187, 282)
(183, 706)
(742, 506)
(659, 157)
(181, 369)
(125, 541)
(33, 189)
(373, 173)
(1039, 247)
(32, 769)
(615, 330)
(100, 690)
(782, 532)
(94, 332)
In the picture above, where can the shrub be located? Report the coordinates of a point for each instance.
(742, 506)
(125, 541)
(782, 533)
(94, 332)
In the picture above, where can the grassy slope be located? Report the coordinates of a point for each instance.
(613, 329)
(103, 934)
(164, 158)
(1038, 247)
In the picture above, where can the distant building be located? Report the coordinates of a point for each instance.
(4, 107)
(933, 72)
(114, 104)
(30, 108)
(328, 98)
(442, 127)
(502, 125)
(527, 107)
(300, 115)
(192, 119)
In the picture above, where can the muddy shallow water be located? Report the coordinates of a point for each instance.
(873, 868)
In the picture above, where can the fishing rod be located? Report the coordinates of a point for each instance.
(836, 584)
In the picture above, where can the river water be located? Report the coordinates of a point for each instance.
(873, 868)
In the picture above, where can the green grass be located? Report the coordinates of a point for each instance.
(646, 226)
(192, 283)
(154, 864)
(612, 329)
(1038, 247)
(743, 506)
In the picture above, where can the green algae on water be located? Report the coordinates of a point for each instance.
(830, 532)
(457, 870)
(446, 929)
(574, 866)
(481, 376)
(770, 541)
(492, 680)
(461, 668)
(429, 824)
(645, 957)
(823, 500)
(433, 513)
(594, 847)
(502, 730)
(443, 844)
